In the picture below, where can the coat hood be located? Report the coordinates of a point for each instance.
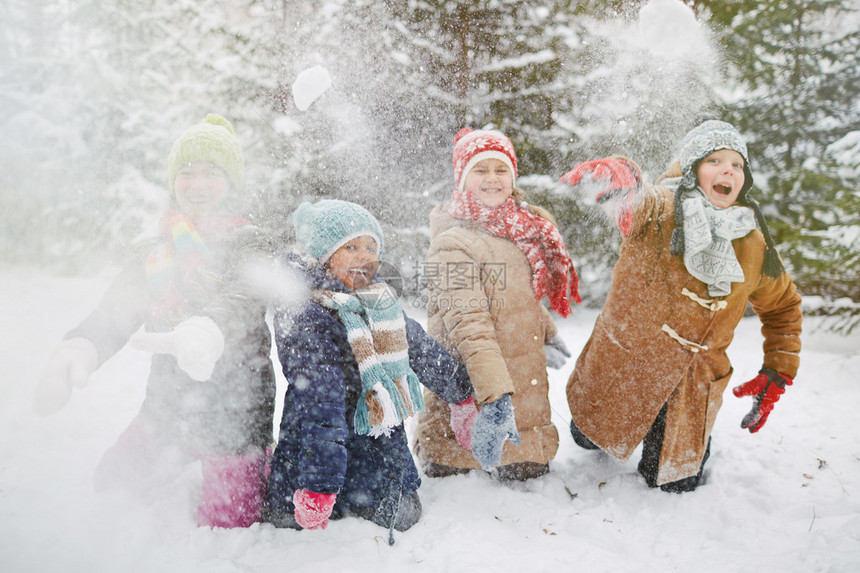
(441, 220)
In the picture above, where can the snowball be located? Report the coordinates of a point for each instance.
(668, 29)
(310, 85)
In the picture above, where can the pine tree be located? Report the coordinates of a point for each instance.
(488, 64)
(799, 65)
(61, 158)
(106, 86)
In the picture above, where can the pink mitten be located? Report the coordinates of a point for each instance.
(463, 416)
(313, 509)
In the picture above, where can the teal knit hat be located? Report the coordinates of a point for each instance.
(325, 226)
(212, 140)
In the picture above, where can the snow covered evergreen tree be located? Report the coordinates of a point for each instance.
(488, 64)
(52, 150)
(97, 94)
(798, 64)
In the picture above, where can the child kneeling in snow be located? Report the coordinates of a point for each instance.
(497, 258)
(655, 367)
(210, 395)
(353, 361)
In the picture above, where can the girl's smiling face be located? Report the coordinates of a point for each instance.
(355, 263)
(201, 188)
(721, 176)
(491, 181)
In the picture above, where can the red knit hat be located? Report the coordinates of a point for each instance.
(472, 146)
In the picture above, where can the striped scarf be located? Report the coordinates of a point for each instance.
(376, 332)
(539, 240)
(181, 270)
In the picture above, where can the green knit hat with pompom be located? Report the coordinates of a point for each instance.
(212, 140)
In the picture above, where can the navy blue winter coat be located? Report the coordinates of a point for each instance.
(318, 448)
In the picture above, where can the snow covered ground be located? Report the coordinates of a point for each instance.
(786, 499)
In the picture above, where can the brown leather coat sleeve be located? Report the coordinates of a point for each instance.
(777, 303)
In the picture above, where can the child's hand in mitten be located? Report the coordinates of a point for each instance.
(197, 343)
(610, 182)
(556, 352)
(463, 416)
(605, 179)
(313, 509)
(766, 388)
(494, 425)
(69, 366)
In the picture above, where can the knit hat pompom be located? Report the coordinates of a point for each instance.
(325, 226)
(212, 140)
(472, 146)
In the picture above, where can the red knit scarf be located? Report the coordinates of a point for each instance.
(553, 274)
(181, 270)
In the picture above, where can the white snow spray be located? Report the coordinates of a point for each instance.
(656, 75)
(649, 80)
(275, 282)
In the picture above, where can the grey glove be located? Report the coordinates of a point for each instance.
(494, 425)
(556, 352)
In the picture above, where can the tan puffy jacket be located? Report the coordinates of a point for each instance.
(483, 310)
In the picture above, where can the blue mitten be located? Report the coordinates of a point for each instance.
(494, 425)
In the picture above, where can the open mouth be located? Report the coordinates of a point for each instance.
(362, 275)
(723, 189)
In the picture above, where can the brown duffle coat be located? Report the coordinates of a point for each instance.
(483, 310)
(661, 339)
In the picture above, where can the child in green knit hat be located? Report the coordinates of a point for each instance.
(210, 393)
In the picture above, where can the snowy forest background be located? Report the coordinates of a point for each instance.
(94, 92)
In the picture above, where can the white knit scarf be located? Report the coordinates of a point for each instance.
(708, 234)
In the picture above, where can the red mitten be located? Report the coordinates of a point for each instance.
(766, 388)
(313, 509)
(612, 182)
(617, 176)
(463, 417)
